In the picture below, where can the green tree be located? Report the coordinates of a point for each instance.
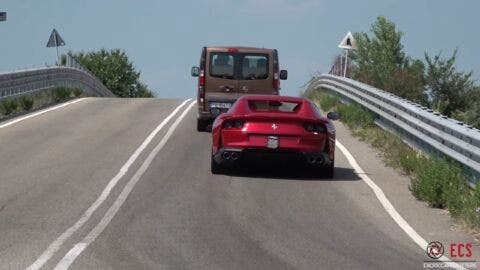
(449, 90)
(380, 61)
(143, 91)
(115, 71)
(470, 114)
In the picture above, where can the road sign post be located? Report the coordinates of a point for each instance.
(56, 41)
(346, 64)
(347, 43)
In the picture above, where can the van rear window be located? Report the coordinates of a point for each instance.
(273, 106)
(239, 66)
(222, 65)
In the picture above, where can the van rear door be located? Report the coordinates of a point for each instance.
(255, 74)
(221, 84)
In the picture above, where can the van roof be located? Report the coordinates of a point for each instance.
(240, 48)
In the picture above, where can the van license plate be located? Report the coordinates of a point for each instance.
(272, 142)
(221, 105)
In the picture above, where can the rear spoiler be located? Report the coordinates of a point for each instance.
(285, 116)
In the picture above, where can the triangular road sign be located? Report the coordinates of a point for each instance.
(55, 40)
(348, 42)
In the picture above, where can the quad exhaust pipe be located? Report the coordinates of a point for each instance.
(316, 160)
(319, 160)
(226, 155)
(233, 156)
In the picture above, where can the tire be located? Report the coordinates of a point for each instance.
(215, 167)
(201, 125)
(329, 170)
(323, 172)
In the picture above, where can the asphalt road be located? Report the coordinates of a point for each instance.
(167, 211)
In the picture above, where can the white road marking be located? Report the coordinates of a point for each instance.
(401, 222)
(56, 245)
(70, 257)
(40, 112)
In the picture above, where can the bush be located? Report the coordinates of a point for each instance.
(328, 102)
(115, 70)
(77, 92)
(441, 183)
(428, 185)
(9, 106)
(352, 114)
(408, 159)
(26, 103)
(61, 93)
(355, 116)
(470, 212)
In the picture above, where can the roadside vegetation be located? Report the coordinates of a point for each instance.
(433, 82)
(25, 103)
(436, 180)
(115, 70)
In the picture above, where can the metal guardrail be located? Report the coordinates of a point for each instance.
(31, 81)
(419, 125)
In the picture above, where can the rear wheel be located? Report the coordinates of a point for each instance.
(215, 167)
(201, 125)
(324, 172)
(329, 170)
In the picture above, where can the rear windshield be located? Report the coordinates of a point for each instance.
(239, 66)
(273, 106)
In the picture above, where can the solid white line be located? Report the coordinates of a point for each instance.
(401, 222)
(70, 257)
(40, 112)
(55, 245)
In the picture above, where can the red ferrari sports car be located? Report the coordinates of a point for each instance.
(274, 125)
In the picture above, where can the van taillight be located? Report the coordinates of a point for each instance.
(276, 82)
(201, 78)
(201, 93)
(201, 88)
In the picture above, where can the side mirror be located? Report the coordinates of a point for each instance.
(283, 74)
(333, 116)
(195, 71)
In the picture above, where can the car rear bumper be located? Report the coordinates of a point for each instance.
(231, 156)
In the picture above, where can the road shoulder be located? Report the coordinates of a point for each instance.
(432, 224)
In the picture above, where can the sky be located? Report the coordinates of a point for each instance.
(164, 38)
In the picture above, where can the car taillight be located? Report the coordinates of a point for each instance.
(233, 124)
(276, 82)
(312, 127)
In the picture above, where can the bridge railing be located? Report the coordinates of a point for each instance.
(419, 125)
(31, 81)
